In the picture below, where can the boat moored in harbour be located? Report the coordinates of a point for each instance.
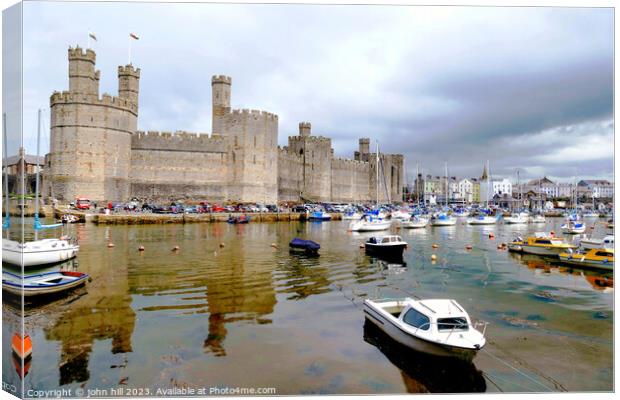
(389, 246)
(542, 244)
(440, 327)
(596, 258)
(48, 283)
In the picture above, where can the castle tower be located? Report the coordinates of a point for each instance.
(83, 78)
(305, 128)
(90, 136)
(220, 93)
(128, 83)
(364, 146)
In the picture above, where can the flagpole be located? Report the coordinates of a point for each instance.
(129, 52)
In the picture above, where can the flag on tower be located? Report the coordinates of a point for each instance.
(134, 36)
(92, 35)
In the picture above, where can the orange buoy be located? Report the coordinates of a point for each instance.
(435, 245)
(21, 347)
(433, 257)
(141, 248)
(552, 233)
(499, 247)
(222, 245)
(274, 245)
(362, 246)
(491, 235)
(175, 248)
(468, 247)
(110, 244)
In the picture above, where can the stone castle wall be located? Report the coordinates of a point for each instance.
(350, 180)
(167, 166)
(290, 179)
(253, 137)
(97, 152)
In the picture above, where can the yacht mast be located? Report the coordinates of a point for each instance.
(7, 219)
(447, 184)
(377, 188)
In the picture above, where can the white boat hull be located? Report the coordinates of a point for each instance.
(41, 252)
(444, 222)
(542, 251)
(365, 226)
(418, 344)
(414, 224)
(483, 221)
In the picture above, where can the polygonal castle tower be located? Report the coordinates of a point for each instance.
(252, 138)
(90, 139)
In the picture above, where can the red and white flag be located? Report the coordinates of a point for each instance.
(133, 36)
(92, 36)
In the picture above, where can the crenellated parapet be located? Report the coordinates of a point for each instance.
(77, 53)
(128, 70)
(178, 141)
(106, 100)
(256, 114)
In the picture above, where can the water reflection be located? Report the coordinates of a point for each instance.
(601, 280)
(424, 373)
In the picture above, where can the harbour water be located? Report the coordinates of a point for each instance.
(228, 309)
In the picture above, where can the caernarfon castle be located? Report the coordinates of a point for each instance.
(97, 152)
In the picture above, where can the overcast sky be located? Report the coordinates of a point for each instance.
(528, 88)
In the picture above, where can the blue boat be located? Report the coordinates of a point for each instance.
(306, 246)
(243, 219)
(319, 216)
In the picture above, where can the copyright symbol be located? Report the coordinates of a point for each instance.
(79, 392)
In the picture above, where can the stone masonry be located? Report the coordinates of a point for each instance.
(97, 152)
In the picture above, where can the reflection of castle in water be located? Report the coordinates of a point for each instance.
(105, 313)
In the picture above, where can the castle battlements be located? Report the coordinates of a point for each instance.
(221, 79)
(322, 140)
(128, 70)
(345, 161)
(255, 113)
(106, 99)
(78, 53)
(177, 141)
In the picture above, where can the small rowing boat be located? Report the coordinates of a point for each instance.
(42, 284)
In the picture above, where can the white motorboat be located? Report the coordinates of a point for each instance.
(443, 220)
(389, 246)
(538, 219)
(590, 243)
(482, 219)
(42, 284)
(517, 218)
(39, 252)
(440, 327)
(351, 215)
(414, 222)
(369, 223)
(590, 214)
(400, 215)
(573, 227)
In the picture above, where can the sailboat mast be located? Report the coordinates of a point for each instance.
(417, 181)
(36, 199)
(7, 220)
(377, 186)
(447, 184)
(488, 182)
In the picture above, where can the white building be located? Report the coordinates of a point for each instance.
(488, 189)
(598, 188)
(466, 190)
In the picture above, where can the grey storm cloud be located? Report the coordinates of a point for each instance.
(528, 88)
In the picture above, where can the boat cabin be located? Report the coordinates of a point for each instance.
(439, 316)
(385, 239)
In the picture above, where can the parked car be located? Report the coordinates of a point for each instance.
(82, 203)
(217, 208)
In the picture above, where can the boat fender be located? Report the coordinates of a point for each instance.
(604, 260)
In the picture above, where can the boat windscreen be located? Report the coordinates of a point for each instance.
(448, 324)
